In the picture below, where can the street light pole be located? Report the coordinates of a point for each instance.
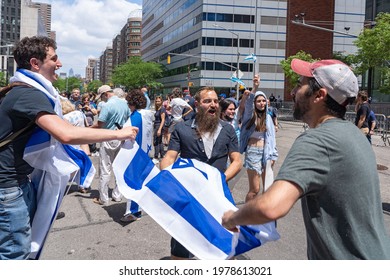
(189, 76)
(238, 56)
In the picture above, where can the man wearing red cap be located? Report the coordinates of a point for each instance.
(331, 167)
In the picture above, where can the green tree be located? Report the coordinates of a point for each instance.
(3, 80)
(291, 76)
(94, 85)
(374, 50)
(136, 73)
(67, 84)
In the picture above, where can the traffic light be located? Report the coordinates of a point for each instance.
(169, 59)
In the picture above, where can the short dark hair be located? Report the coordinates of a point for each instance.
(334, 108)
(363, 95)
(32, 47)
(136, 98)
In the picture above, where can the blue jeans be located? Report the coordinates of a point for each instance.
(17, 208)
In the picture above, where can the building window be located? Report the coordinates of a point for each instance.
(227, 42)
(273, 20)
(270, 68)
(228, 18)
(272, 44)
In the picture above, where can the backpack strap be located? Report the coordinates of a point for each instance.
(7, 88)
(12, 136)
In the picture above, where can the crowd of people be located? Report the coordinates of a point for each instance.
(331, 168)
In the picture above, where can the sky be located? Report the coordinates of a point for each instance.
(84, 28)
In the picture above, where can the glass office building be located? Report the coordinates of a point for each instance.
(208, 39)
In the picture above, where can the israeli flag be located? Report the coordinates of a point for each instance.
(237, 80)
(250, 57)
(191, 196)
(53, 165)
(143, 119)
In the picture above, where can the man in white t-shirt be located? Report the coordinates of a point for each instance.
(177, 105)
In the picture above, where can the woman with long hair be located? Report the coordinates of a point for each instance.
(257, 138)
(158, 125)
(230, 114)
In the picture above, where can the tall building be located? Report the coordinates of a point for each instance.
(116, 49)
(106, 65)
(133, 35)
(10, 23)
(89, 70)
(322, 28)
(125, 44)
(44, 12)
(18, 19)
(210, 37)
(10, 17)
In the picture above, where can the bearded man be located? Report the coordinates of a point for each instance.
(331, 168)
(207, 139)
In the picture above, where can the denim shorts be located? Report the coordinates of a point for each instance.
(253, 158)
(17, 208)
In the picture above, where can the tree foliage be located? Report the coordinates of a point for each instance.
(374, 50)
(291, 76)
(373, 44)
(67, 84)
(94, 85)
(135, 73)
(3, 80)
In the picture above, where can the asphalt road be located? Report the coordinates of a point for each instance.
(93, 232)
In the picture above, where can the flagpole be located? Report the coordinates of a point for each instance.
(238, 57)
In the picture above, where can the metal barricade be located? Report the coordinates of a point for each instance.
(382, 126)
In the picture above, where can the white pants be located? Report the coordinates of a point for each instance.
(108, 151)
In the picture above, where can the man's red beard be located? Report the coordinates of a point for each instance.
(206, 122)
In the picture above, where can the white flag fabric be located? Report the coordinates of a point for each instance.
(250, 57)
(191, 196)
(143, 119)
(237, 80)
(53, 164)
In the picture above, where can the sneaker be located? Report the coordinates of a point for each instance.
(60, 215)
(95, 154)
(83, 190)
(129, 218)
(100, 202)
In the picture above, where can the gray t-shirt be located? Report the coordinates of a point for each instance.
(335, 167)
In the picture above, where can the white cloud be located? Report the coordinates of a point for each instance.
(85, 27)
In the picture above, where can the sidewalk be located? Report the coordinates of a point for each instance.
(93, 232)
